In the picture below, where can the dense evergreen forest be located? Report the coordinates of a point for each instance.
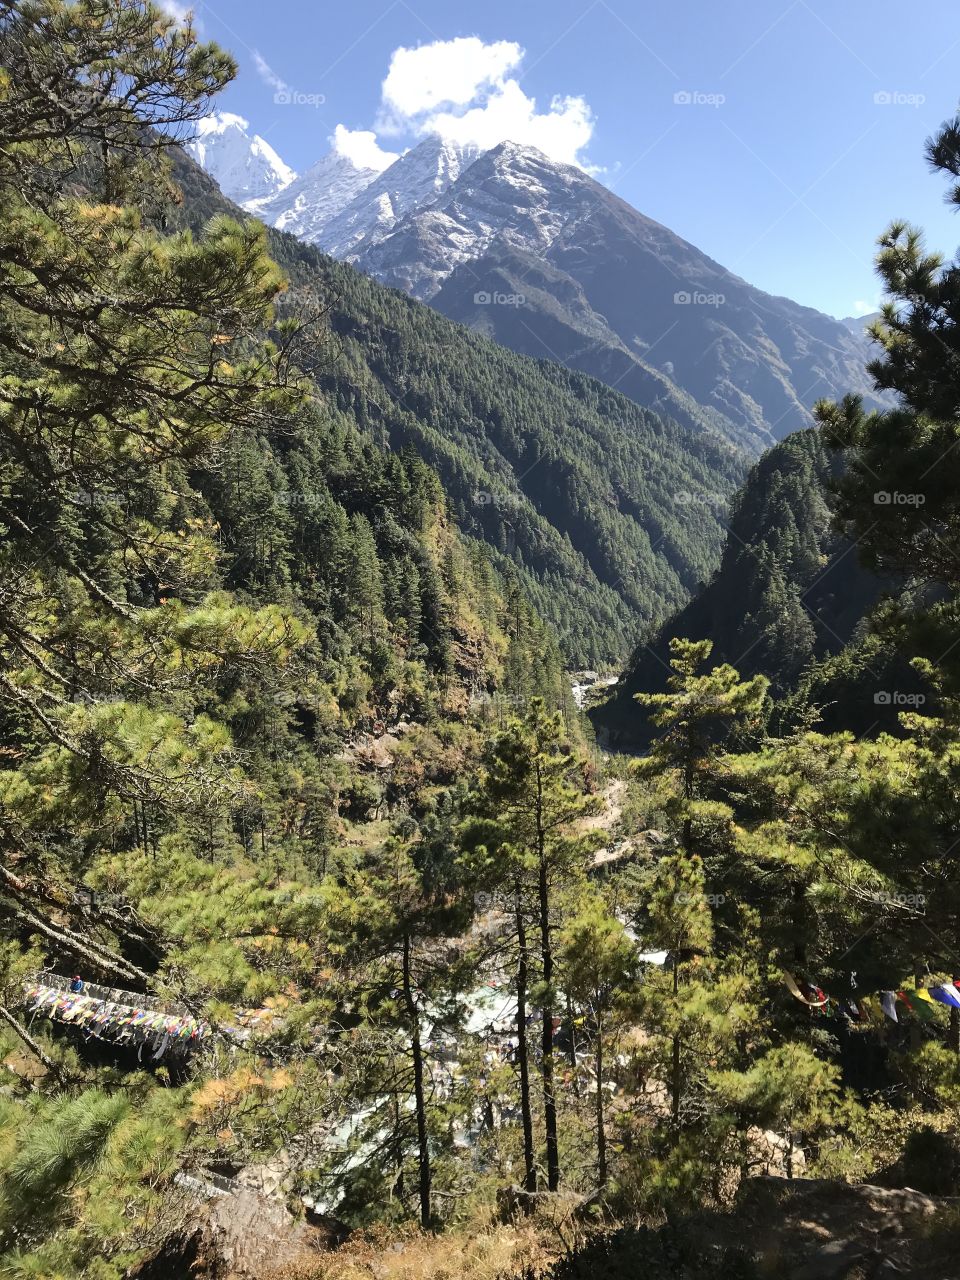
(331, 945)
(608, 515)
(792, 600)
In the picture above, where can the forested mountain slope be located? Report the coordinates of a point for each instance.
(789, 592)
(379, 969)
(553, 264)
(607, 512)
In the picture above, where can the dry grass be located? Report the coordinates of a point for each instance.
(496, 1253)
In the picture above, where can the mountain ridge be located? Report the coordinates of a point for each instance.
(246, 167)
(571, 485)
(615, 294)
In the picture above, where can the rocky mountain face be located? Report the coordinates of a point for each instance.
(246, 167)
(413, 182)
(859, 324)
(548, 262)
(308, 204)
(605, 514)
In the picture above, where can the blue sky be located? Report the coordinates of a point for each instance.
(801, 139)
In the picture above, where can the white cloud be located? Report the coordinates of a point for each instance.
(268, 75)
(446, 73)
(864, 308)
(361, 146)
(179, 12)
(561, 133)
(463, 89)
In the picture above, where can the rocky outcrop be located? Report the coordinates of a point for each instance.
(235, 1235)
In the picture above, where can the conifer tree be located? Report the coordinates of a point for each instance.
(598, 965)
(392, 927)
(694, 717)
(526, 841)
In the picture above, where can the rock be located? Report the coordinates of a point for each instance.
(236, 1236)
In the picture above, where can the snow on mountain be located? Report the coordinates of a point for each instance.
(513, 193)
(542, 258)
(246, 167)
(339, 203)
(539, 256)
(418, 177)
(306, 206)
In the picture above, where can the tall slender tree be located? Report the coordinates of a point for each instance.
(528, 826)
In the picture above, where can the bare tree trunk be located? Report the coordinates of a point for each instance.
(573, 1047)
(526, 1115)
(676, 1074)
(546, 953)
(601, 1131)
(53, 1067)
(423, 1145)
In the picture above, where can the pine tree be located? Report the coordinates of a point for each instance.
(391, 925)
(525, 843)
(126, 355)
(694, 716)
(598, 963)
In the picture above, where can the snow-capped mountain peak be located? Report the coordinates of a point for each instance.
(306, 206)
(418, 177)
(342, 201)
(512, 193)
(245, 166)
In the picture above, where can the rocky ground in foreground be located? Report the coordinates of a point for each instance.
(778, 1230)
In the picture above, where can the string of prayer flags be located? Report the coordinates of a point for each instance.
(919, 1003)
(108, 1019)
(946, 993)
(817, 1002)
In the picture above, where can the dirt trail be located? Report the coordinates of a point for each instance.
(614, 797)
